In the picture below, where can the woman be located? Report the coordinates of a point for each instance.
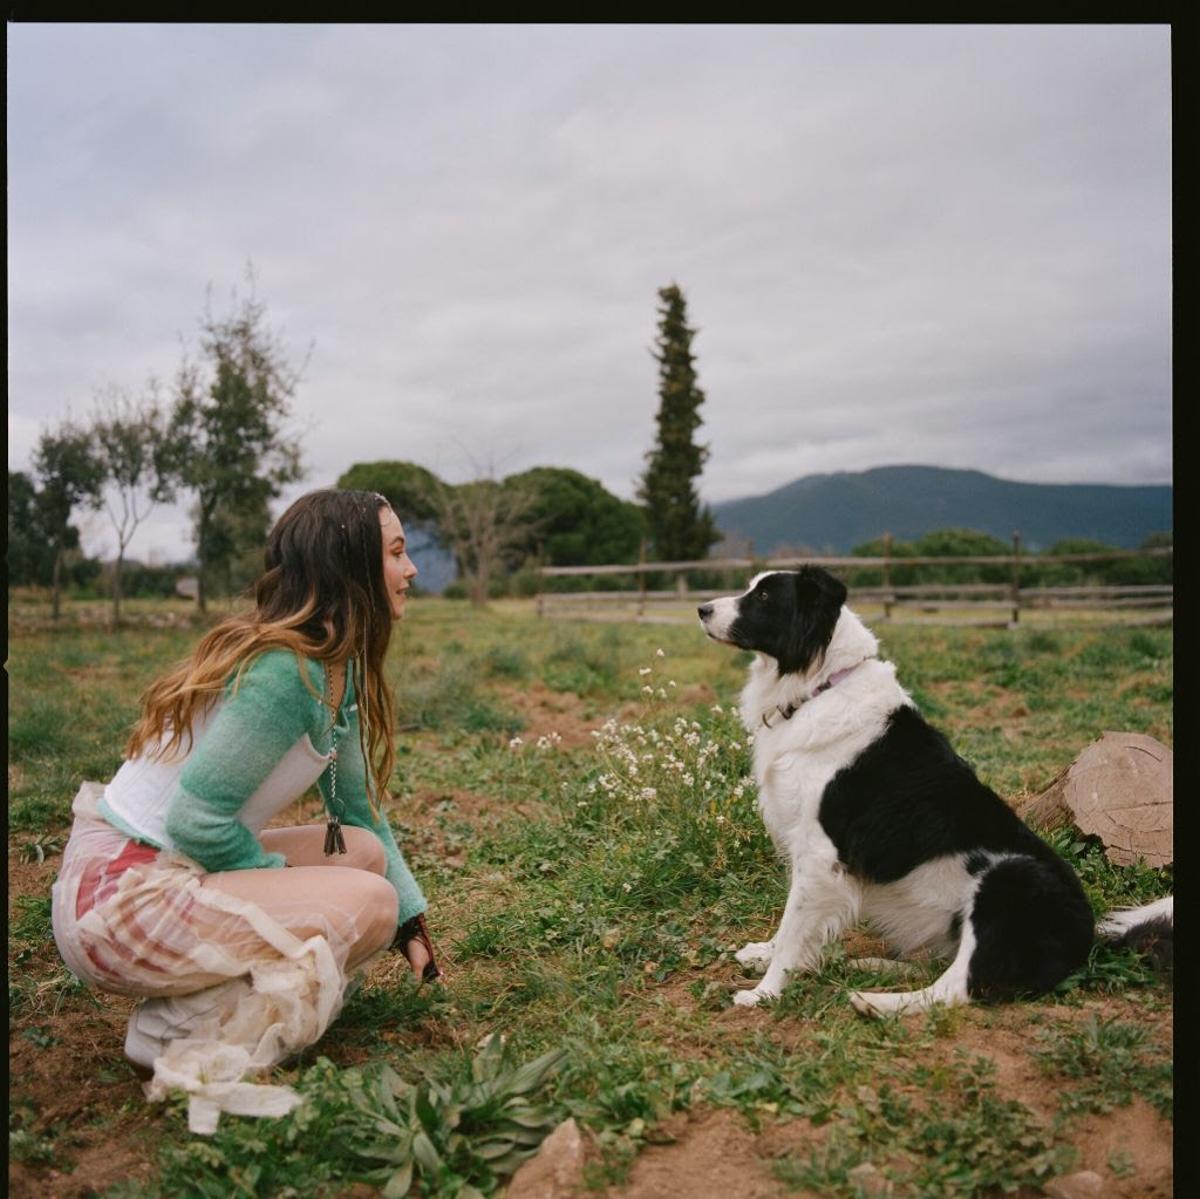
(239, 938)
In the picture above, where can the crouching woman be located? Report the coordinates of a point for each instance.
(237, 938)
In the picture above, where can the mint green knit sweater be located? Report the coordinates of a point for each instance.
(264, 714)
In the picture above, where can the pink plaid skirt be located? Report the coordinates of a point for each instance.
(138, 921)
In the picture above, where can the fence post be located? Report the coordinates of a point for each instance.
(887, 576)
(1016, 578)
(641, 608)
(541, 562)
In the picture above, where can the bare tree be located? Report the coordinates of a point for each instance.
(130, 439)
(483, 522)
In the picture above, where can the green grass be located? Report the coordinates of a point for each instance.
(1108, 1062)
(962, 1138)
(597, 894)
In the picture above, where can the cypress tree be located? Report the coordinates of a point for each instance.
(680, 528)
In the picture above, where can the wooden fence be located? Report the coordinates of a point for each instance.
(1005, 600)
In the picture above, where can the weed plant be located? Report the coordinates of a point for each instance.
(962, 1139)
(1112, 1061)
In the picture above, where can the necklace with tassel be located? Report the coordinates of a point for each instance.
(335, 842)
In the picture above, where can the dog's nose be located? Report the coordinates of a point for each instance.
(705, 611)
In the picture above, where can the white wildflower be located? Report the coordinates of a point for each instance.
(717, 709)
(626, 887)
(688, 780)
(647, 690)
(648, 793)
(659, 654)
(515, 743)
(643, 670)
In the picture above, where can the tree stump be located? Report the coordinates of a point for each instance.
(1120, 790)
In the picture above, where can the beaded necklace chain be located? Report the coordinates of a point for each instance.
(335, 842)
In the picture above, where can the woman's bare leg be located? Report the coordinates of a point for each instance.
(356, 906)
(304, 845)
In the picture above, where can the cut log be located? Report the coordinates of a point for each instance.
(1120, 790)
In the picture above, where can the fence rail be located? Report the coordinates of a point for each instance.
(927, 598)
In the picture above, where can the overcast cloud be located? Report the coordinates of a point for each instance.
(945, 245)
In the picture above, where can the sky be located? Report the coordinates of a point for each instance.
(936, 244)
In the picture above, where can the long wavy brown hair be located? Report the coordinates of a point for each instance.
(322, 595)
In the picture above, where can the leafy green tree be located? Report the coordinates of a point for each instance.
(1113, 573)
(965, 543)
(238, 537)
(1065, 574)
(1148, 570)
(30, 549)
(576, 520)
(680, 528)
(69, 473)
(901, 576)
(409, 488)
(227, 441)
(131, 440)
(1143, 571)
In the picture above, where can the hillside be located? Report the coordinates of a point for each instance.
(833, 513)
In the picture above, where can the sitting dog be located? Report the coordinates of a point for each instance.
(879, 819)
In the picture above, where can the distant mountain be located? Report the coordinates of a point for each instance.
(833, 513)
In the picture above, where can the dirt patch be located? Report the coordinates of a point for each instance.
(1137, 1138)
(30, 878)
(714, 1154)
(78, 1102)
(546, 711)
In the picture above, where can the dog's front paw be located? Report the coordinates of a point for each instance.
(756, 953)
(860, 1001)
(752, 997)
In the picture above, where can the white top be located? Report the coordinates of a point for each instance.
(139, 794)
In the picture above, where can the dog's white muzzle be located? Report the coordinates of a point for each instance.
(717, 617)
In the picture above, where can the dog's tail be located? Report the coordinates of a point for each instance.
(1150, 930)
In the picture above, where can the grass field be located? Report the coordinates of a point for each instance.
(573, 798)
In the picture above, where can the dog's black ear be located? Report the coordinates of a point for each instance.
(818, 603)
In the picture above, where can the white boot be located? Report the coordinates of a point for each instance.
(154, 1023)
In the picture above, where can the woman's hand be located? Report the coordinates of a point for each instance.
(418, 956)
(412, 939)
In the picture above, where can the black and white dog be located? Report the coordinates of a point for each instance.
(879, 819)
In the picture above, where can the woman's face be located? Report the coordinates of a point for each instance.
(398, 568)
